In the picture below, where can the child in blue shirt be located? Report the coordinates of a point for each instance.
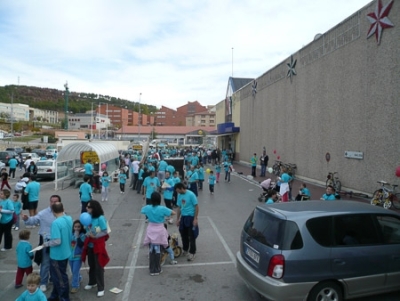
(200, 174)
(24, 257)
(122, 180)
(217, 171)
(85, 192)
(304, 193)
(75, 261)
(105, 183)
(33, 293)
(228, 169)
(211, 181)
(17, 210)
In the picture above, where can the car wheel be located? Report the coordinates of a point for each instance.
(326, 291)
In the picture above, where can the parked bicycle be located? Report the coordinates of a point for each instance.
(276, 168)
(385, 196)
(333, 180)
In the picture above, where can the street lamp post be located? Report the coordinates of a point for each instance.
(91, 123)
(139, 117)
(66, 106)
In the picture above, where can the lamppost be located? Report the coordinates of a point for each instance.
(139, 117)
(66, 106)
(91, 123)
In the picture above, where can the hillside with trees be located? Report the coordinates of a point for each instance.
(52, 99)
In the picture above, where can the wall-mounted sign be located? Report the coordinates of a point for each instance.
(327, 157)
(354, 155)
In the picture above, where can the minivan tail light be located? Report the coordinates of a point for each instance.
(49, 170)
(276, 266)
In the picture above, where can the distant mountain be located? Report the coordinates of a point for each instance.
(52, 99)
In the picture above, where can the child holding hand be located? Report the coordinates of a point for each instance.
(17, 210)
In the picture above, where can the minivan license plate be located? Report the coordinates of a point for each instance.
(253, 255)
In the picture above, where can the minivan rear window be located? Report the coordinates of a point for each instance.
(273, 232)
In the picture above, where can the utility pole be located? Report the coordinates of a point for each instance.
(12, 116)
(66, 106)
(91, 123)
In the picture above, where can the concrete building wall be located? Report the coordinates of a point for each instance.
(345, 97)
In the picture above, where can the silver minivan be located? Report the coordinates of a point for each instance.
(318, 250)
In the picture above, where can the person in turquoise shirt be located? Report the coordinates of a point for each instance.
(105, 184)
(217, 171)
(33, 293)
(200, 173)
(122, 180)
(89, 170)
(33, 192)
(75, 260)
(55, 155)
(211, 181)
(304, 193)
(272, 197)
(150, 184)
(17, 209)
(194, 160)
(187, 219)
(177, 180)
(6, 219)
(193, 178)
(60, 252)
(330, 194)
(85, 192)
(97, 234)
(227, 169)
(168, 191)
(12, 163)
(140, 179)
(253, 162)
(24, 257)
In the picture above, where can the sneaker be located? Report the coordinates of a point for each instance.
(100, 294)
(88, 287)
(185, 253)
(171, 221)
(13, 227)
(121, 192)
(43, 288)
(191, 257)
(3, 249)
(74, 290)
(16, 228)
(152, 274)
(18, 285)
(173, 262)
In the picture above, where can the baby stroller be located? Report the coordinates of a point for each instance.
(266, 186)
(96, 183)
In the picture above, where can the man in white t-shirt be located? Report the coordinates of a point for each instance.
(28, 162)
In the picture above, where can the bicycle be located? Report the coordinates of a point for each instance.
(276, 168)
(290, 168)
(176, 248)
(385, 196)
(333, 180)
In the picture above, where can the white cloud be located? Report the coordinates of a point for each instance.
(170, 51)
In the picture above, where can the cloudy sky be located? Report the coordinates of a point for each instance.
(170, 51)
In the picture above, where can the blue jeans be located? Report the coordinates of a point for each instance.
(58, 272)
(75, 270)
(45, 267)
(263, 169)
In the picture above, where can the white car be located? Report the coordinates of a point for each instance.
(47, 170)
(35, 157)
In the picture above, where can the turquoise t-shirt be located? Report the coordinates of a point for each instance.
(99, 224)
(38, 295)
(105, 181)
(151, 185)
(86, 192)
(61, 228)
(6, 205)
(156, 214)
(122, 178)
(218, 168)
(330, 197)
(162, 166)
(211, 180)
(88, 168)
(168, 192)
(17, 207)
(33, 190)
(187, 202)
(13, 163)
(286, 178)
(177, 179)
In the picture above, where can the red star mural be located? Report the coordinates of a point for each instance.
(379, 20)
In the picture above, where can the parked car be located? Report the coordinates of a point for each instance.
(50, 153)
(35, 157)
(320, 250)
(47, 170)
(7, 155)
(39, 151)
(18, 150)
(2, 165)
